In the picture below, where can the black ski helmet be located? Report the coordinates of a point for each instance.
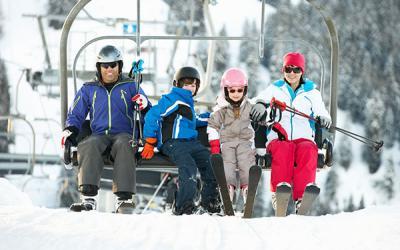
(187, 72)
(109, 54)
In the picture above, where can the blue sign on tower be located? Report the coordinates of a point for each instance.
(129, 28)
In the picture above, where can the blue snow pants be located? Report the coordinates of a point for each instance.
(190, 155)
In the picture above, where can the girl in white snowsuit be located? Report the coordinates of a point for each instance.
(230, 131)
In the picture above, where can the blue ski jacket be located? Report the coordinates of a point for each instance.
(109, 112)
(173, 117)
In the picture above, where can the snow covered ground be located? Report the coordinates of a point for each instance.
(25, 226)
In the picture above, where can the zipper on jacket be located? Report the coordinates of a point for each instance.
(126, 106)
(109, 111)
(291, 121)
(109, 106)
(94, 110)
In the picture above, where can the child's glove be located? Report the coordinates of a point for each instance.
(148, 149)
(141, 101)
(215, 147)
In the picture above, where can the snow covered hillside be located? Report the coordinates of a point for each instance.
(24, 226)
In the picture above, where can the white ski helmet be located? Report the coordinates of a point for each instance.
(109, 54)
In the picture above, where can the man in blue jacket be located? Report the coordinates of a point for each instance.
(109, 100)
(171, 126)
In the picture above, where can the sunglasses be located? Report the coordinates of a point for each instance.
(110, 64)
(289, 69)
(235, 90)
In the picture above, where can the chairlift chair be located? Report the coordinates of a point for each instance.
(160, 163)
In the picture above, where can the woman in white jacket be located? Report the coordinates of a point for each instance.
(293, 150)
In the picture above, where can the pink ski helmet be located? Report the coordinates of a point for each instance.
(234, 77)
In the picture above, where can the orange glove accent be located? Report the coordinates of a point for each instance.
(148, 149)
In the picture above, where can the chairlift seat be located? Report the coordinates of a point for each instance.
(158, 161)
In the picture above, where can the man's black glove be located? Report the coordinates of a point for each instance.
(68, 144)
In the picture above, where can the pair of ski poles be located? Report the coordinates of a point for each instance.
(136, 74)
(376, 145)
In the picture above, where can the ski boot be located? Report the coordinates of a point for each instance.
(245, 190)
(88, 203)
(231, 190)
(297, 204)
(213, 206)
(188, 208)
(124, 206)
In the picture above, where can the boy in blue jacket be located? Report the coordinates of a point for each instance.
(171, 126)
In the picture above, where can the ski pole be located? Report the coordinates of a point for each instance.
(155, 193)
(376, 145)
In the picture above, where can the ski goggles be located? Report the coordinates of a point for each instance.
(109, 64)
(289, 69)
(235, 90)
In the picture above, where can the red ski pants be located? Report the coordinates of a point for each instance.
(294, 162)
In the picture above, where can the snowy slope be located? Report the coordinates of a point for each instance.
(29, 227)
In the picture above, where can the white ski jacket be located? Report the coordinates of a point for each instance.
(306, 99)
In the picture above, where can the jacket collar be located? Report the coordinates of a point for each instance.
(121, 79)
(223, 103)
(308, 85)
(184, 93)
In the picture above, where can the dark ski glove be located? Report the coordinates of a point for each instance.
(259, 111)
(324, 121)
